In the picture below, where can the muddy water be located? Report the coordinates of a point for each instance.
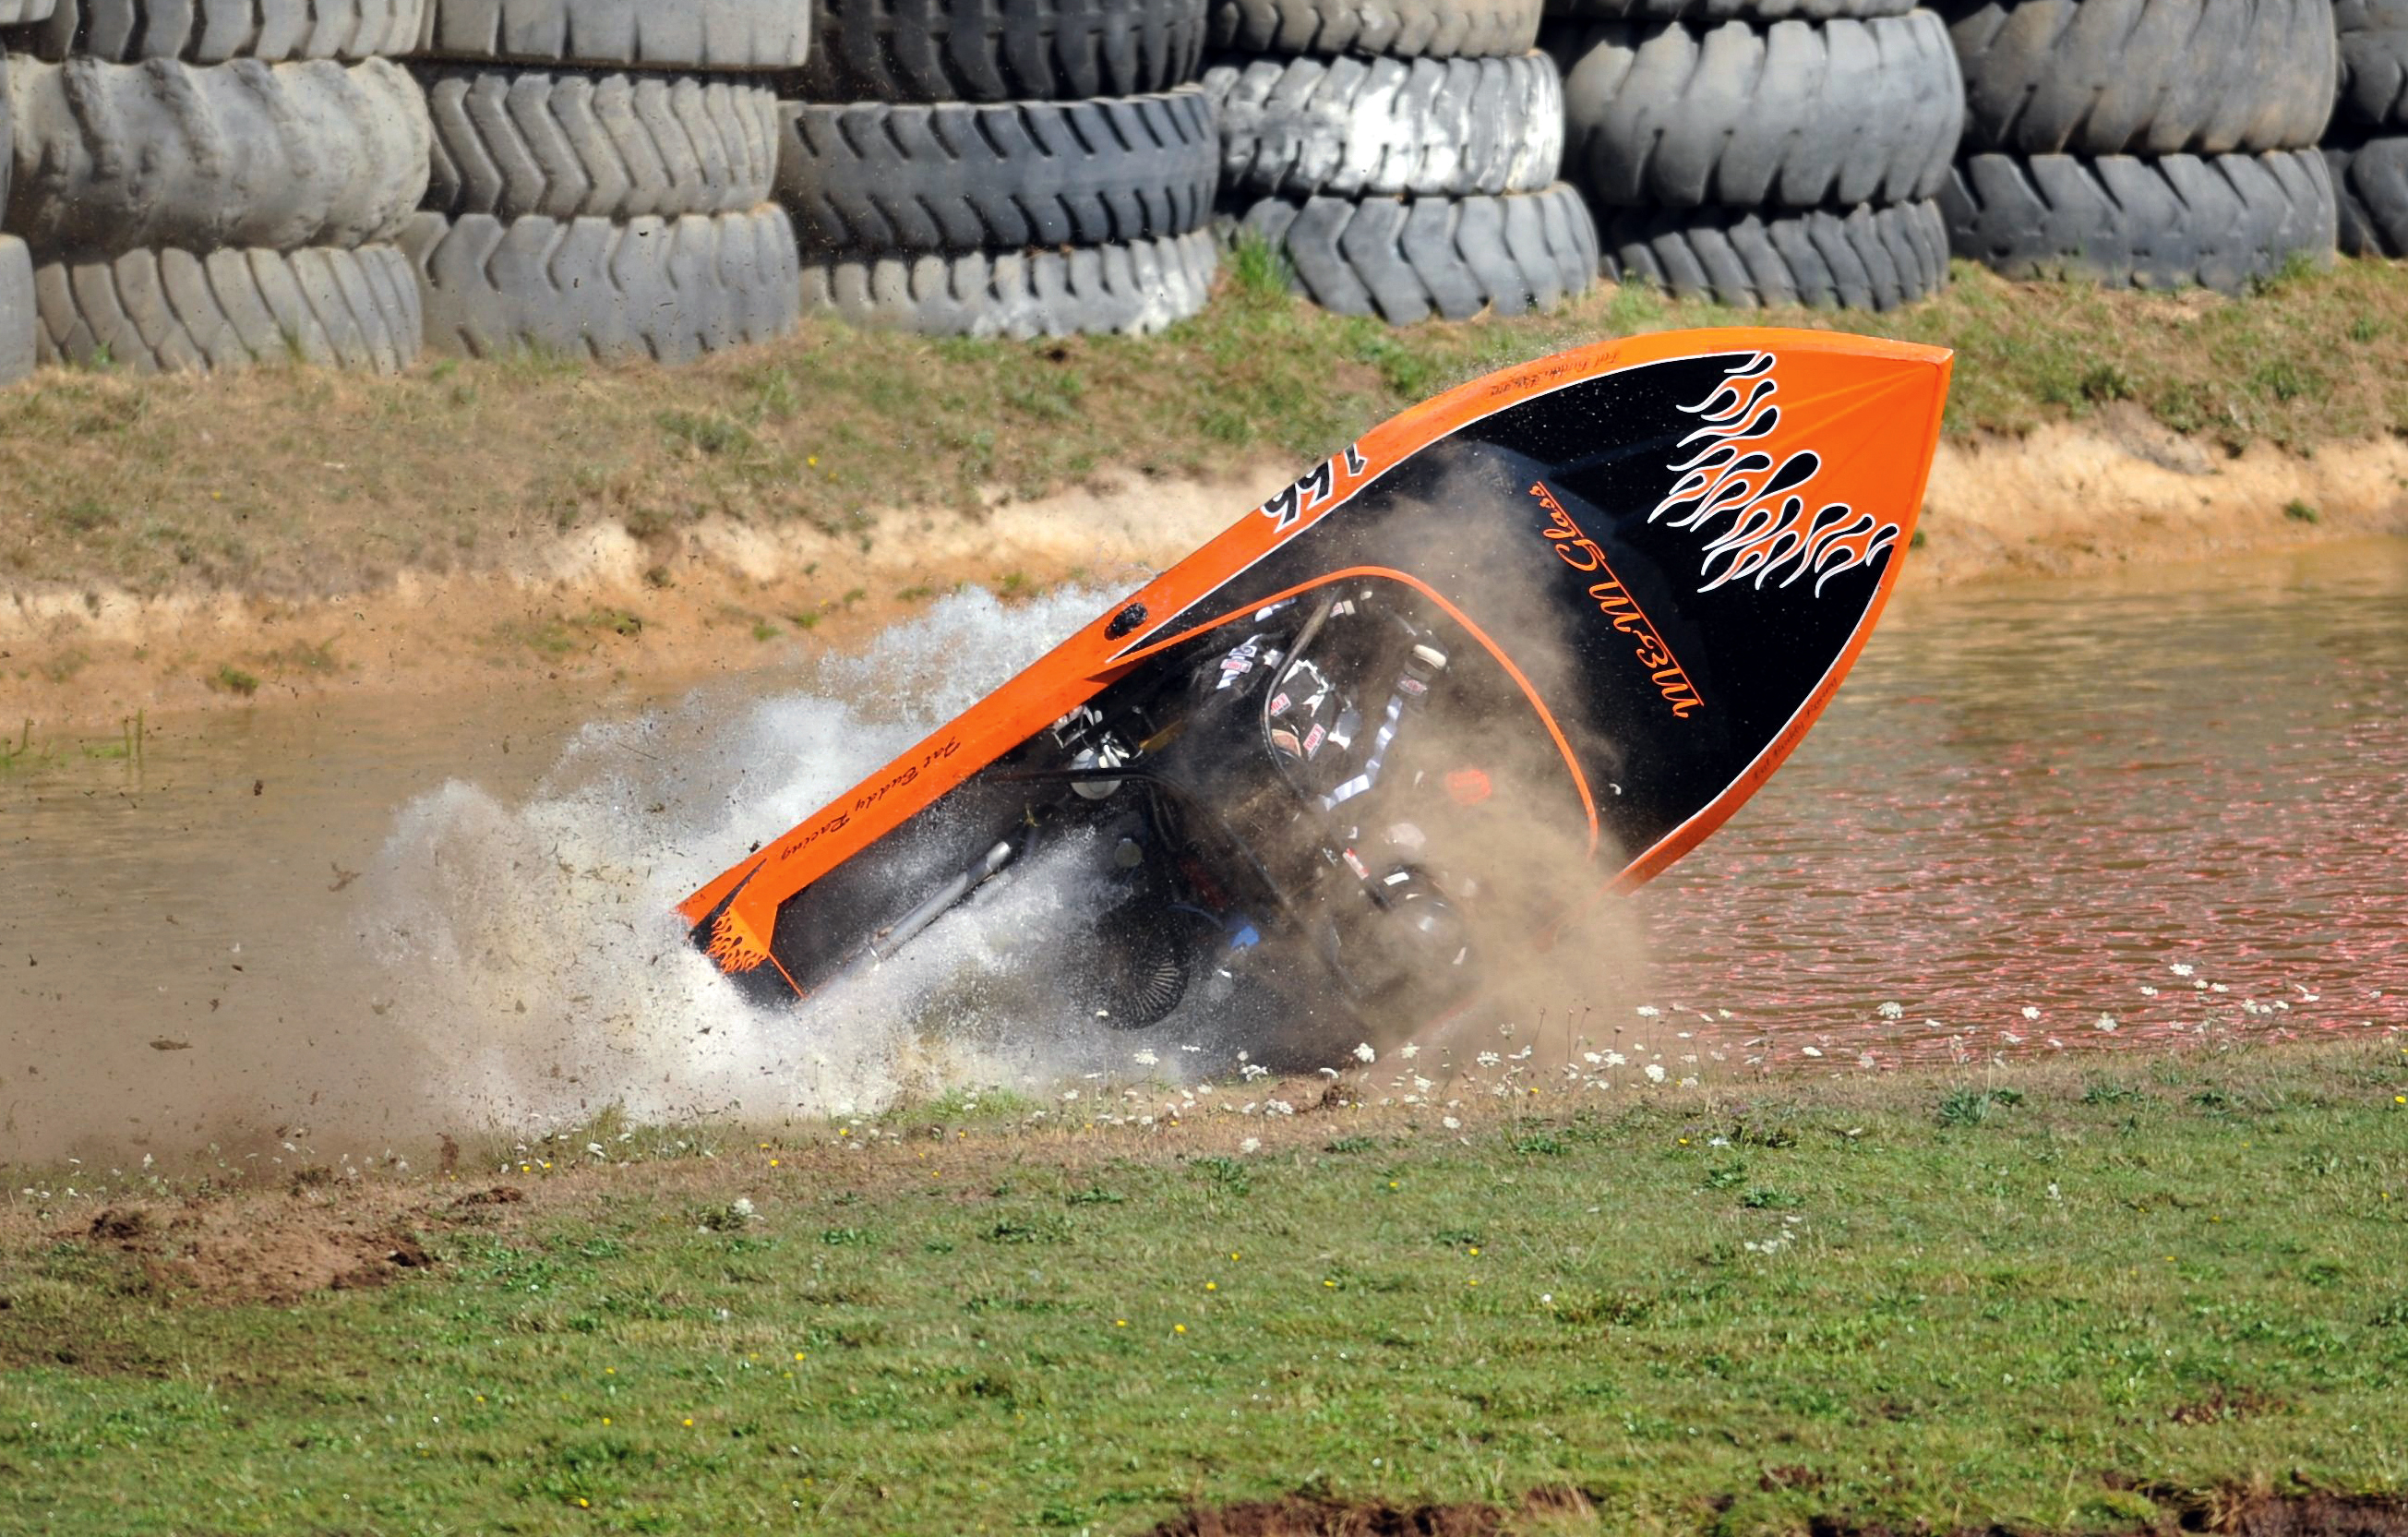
(2078, 814)
(355, 925)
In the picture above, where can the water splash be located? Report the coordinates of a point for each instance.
(534, 961)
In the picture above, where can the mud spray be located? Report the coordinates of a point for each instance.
(536, 972)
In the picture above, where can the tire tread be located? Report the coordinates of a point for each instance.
(1133, 289)
(1372, 127)
(170, 310)
(670, 290)
(2217, 221)
(1406, 260)
(874, 179)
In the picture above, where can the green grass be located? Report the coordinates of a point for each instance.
(127, 478)
(2102, 1299)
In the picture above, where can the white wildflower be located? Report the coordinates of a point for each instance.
(742, 1207)
(1812, 1051)
(1488, 1059)
(2181, 969)
(1450, 1123)
(2147, 991)
(2030, 1013)
(1409, 1051)
(1363, 1053)
(1892, 1011)
(1147, 1059)
(1648, 1011)
(2106, 1022)
(1654, 1073)
(1253, 1070)
(1278, 1107)
(1251, 1144)
(1615, 1059)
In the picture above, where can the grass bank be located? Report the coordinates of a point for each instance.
(287, 484)
(2050, 1297)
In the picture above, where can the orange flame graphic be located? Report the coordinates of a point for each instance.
(1743, 480)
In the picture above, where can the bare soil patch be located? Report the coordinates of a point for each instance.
(1317, 1515)
(259, 1252)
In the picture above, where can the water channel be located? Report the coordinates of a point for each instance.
(2164, 807)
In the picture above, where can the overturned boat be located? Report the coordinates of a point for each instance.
(1331, 774)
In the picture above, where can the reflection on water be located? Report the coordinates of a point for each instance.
(2079, 814)
(2140, 808)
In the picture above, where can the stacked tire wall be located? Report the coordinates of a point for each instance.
(1764, 151)
(601, 174)
(207, 184)
(1002, 167)
(2153, 143)
(2366, 147)
(1403, 154)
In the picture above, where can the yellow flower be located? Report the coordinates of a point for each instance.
(581, 1504)
(1234, 1254)
(773, 1163)
(1179, 1328)
(689, 1419)
(606, 1419)
(798, 1355)
(1475, 1281)
(1212, 1286)
(1120, 1322)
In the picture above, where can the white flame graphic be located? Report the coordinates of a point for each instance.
(1769, 533)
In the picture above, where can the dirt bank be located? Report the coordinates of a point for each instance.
(2117, 491)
